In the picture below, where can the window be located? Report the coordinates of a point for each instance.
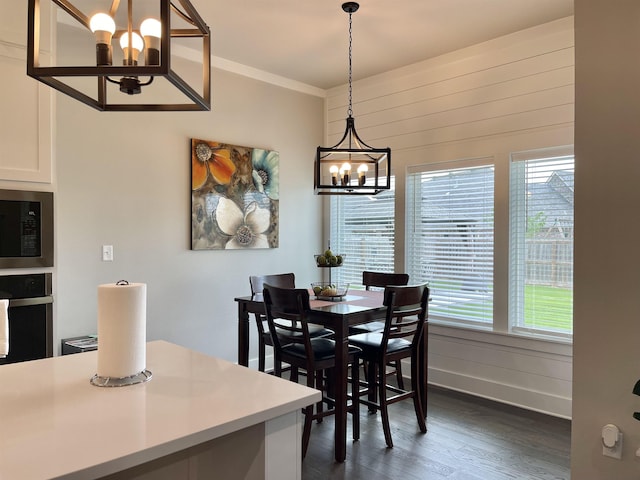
(450, 236)
(363, 229)
(541, 242)
(450, 240)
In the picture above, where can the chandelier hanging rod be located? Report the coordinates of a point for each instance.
(350, 8)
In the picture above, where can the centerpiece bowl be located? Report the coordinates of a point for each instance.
(329, 291)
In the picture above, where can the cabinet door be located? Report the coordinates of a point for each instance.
(26, 104)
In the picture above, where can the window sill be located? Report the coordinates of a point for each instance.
(519, 340)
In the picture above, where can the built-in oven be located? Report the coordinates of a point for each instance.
(30, 316)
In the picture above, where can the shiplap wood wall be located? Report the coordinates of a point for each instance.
(511, 94)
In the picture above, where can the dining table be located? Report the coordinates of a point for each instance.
(355, 308)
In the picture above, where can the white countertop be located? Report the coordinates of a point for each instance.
(55, 424)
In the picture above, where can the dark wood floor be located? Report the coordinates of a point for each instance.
(467, 439)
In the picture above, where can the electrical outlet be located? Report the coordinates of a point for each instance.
(107, 253)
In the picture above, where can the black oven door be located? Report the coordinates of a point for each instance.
(30, 329)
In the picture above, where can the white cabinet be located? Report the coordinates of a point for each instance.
(26, 110)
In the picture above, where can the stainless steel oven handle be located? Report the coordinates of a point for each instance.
(27, 302)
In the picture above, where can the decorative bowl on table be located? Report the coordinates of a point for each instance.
(329, 291)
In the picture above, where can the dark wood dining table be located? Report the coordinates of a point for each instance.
(357, 307)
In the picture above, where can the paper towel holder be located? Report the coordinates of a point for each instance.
(106, 381)
(143, 376)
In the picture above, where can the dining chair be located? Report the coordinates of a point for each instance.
(397, 341)
(378, 280)
(282, 280)
(287, 316)
(383, 279)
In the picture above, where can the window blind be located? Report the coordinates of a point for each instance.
(541, 242)
(363, 230)
(450, 237)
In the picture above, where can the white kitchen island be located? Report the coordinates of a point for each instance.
(199, 417)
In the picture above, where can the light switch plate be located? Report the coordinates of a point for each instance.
(107, 253)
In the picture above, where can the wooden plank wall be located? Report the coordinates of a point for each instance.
(514, 93)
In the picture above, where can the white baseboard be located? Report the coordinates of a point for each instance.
(509, 394)
(268, 363)
(536, 401)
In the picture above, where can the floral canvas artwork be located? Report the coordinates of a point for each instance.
(234, 196)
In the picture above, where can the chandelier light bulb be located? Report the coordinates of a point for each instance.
(151, 27)
(333, 170)
(136, 43)
(345, 173)
(362, 173)
(102, 25)
(151, 31)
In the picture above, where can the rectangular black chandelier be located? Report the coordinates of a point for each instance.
(340, 170)
(351, 167)
(88, 69)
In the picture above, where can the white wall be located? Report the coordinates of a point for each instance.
(607, 258)
(124, 180)
(511, 94)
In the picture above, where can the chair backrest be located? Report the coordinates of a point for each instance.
(406, 312)
(282, 280)
(383, 279)
(286, 310)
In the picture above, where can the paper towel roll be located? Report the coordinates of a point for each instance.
(122, 329)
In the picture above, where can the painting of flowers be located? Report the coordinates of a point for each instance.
(235, 194)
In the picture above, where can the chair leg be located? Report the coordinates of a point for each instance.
(277, 366)
(311, 379)
(399, 378)
(355, 399)
(330, 386)
(417, 396)
(294, 374)
(320, 386)
(372, 388)
(261, 355)
(306, 431)
(384, 412)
